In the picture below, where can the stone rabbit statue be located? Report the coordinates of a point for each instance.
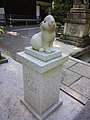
(43, 41)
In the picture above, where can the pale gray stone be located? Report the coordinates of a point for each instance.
(82, 86)
(46, 114)
(74, 94)
(69, 63)
(41, 83)
(66, 48)
(43, 55)
(68, 110)
(11, 91)
(41, 66)
(76, 30)
(85, 113)
(43, 41)
(41, 90)
(68, 77)
(81, 69)
(80, 61)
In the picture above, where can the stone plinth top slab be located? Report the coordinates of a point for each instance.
(81, 6)
(43, 55)
(76, 21)
(38, 65)
(79, 15)
(80, 10)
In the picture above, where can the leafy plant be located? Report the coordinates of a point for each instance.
(58, 24)
(60, 8)
(1, 29)
(60, 27)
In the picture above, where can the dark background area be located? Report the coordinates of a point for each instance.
(19, 7)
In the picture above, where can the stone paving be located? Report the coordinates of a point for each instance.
(16, 38)
(74, 89)
(11, 91)
(76, 80)
(85, 113)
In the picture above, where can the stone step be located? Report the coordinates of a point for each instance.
(78, 15)
(75, 20)
(80, 10)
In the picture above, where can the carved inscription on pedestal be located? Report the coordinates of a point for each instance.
(73, 29)
(31, 84)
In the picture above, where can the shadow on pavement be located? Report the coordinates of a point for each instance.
(85, 113)
(16, 39)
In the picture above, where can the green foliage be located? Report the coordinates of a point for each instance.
(59, 27)
(58, 24)
(60, 9)
(1, 29)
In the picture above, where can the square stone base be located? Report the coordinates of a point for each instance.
(42, 55)
(77, 41)
(46, 114)
(41, 82)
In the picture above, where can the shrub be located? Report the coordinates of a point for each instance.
(60, 27)
(1, 29)
(60, 8)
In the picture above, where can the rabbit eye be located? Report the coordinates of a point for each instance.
(44, 21)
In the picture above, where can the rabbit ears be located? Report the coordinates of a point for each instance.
(41, 25)
(47, 19)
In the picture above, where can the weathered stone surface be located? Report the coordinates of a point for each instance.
(76, 30)
(79, 10)
(11, 91)
(77, 2)
(40, 66)
(84, 113)
(76, 21)
(43, 55)
(82, 86)
(81, 69)
(74, 94)
(40, 88)
(78, 15)
(46, 114)
(68, 110)
(68, 77)
(81, 6)
(69, 63)
(66, 48)
(77, 25)
(77, 41)
(43, 41)
(41, 83)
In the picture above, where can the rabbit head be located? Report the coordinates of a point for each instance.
(48, 24)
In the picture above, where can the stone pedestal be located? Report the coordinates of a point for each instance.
(41, 72)
(77, 23)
